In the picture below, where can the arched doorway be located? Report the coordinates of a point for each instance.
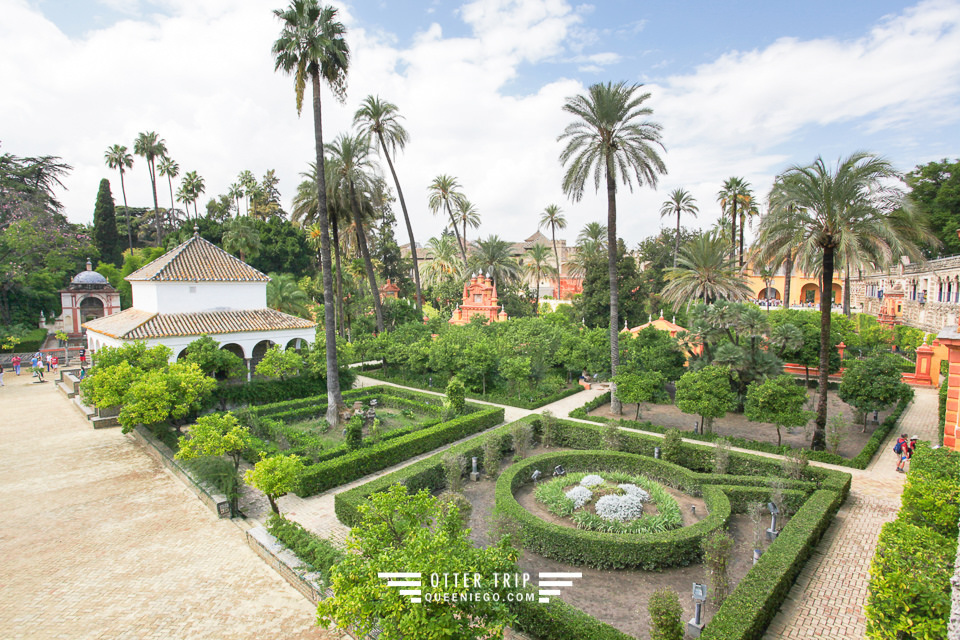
(91, 308)
(258, 352)
(235, 349)
(809, 293)
(768, 293)
(837, 293)
(296, 344)
(182, 354)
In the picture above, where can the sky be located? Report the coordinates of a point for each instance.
(743, 88)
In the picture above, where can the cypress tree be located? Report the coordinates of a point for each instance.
(105, 235)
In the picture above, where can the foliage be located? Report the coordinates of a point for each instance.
(275, 476)
(522, 437)
(316, 553)
(105, 226)
(453, 467)
(706, 393)
(173, 394)
(778, 400)
(665, 615)
(935, 192)
(402, 531)
(218, 363)
(721, 456)
(455, 395)
(931, 497)
(284, 295)
(704, 271)
(354, 433)
(452, 499)
(279, 363)
(872, 384)
(651, 350)
(215, 435)
(717, 552)
(672, 450)
(491, 455)
(836, 433)
(639, 387)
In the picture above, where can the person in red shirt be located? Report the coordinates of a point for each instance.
(54, 361)
(900, 448)
(16, 364)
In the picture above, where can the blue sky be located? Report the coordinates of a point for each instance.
(741, 88)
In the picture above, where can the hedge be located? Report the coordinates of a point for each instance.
(860, 461)
(318, 554)
(30, 342)
(746, 613)
(267, 391)
(557, 619)
(356, 464)
(942, 410)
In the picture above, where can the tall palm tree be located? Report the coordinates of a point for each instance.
(240, 237)
(168, 167)
(492, 257)
(445, 194)
(350, 154)
(822, 210)
(537, 263)
(591, 244)
(311, 46)
(553, 217)
(679, 201)
(595, 233)
(150, 147)
(748, 212)
(195, 187)
(611, 138)
(284, 295)
(381, 118)
(185, 196)
(705, 272)
(118, 158)
(248, 182)
(444, 263)
(235, 193)
(735, 192)
(467, 215)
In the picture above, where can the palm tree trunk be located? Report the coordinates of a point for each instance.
(788, 275)
(460, 243)
(537, 298)
(820, 426)
(170, 182)
(742, 224)
(616, 407)
(556, 254)
(126, 212)
(334, 399)
(341, 321)
(733, 227)
(156, 207)
(846, 293)
(406, 219)
(676, 241)
(367, 262)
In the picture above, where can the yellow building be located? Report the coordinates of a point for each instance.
(804, 288)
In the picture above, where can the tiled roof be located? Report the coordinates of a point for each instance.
(198, 260)
(133, 324)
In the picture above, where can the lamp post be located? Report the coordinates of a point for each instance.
(695, 626)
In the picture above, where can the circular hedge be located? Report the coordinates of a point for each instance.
(650, 551)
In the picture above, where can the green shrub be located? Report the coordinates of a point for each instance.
(492, 452)
(354, 436)
(549, 422)
(267, 391)
(451, 499)
(557, 619)
(522, 438)
(216, 472)
(942, 409)
(666, 615)
(672, 446)
(453, 468)
(717, 552)
(317, 554)
(455, 395)
(909, 594)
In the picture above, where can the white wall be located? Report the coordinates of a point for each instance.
(247, 340)
(184, 297)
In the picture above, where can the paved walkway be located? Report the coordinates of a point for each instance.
(98, 541)
(828, 598)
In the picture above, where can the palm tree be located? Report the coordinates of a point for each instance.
(611, 138)
(168, 167)
(185, 196)
(492, 257)
(381, 118)
(467, 215)
(591, 244)
(150, 146)
(235, 193)
(195, 186)
(311, 46)
(241, 238)
(118, 158)
(249, 184)
(748, 212)
(444, 263)
(284, 295)
(735, 191)
(822, 210)
(445, 194)
(704, 271)
(536, 263)
(350, 154)
(593, 233)
(679, 201)
(553, 217)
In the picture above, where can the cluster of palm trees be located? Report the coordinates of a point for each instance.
(153, 149)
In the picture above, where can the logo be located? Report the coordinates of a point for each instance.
(472, 587)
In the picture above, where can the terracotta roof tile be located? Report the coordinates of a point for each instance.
(198, 260)
(133, 324)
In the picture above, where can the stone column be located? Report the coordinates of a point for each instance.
(953, 387)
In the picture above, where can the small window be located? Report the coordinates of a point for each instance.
(477, 298)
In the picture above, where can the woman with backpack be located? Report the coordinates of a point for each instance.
(900, 448)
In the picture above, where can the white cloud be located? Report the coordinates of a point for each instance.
(203, 78)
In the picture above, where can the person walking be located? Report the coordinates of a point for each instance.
(54, 362)
(900, 448)
(911, 447)
(16, 365)
(49, 361)
(83, 357)
(1, 375)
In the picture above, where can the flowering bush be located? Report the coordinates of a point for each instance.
(620, 508)
(591, 480)
(580, 496)
(634, 490)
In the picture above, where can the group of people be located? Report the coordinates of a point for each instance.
(904, 449)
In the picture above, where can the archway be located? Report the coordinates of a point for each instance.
(234, 348)
(809, 293)
(91, 308)
(296, 344)
(768, 293)
(182, 354)
(258, 352)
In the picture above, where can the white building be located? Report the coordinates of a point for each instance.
(196, 289)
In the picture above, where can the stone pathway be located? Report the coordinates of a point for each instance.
(99, 541)
(828, 598)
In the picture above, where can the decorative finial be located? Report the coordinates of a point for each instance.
(624, 324)
(674, 321)
(650, 317)
(89, 265)
(661, 313)
(196, 231)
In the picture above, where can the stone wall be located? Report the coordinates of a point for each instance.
(926, 287)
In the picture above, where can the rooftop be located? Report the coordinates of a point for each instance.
(197, 260)
(134, 324)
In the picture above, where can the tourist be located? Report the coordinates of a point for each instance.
(1, 374)
(54, 361)
(900, 448)
(49, 361)
(83, 357)
(16, 365)
(911, 447)
(33, 365)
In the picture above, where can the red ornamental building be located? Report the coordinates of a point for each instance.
(479, 299)
(88, 297)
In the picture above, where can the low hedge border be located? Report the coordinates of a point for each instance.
(746, 613)
(328, 474)
(260, 392)
(860, 461)
(378, 374)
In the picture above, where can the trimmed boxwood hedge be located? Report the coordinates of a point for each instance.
(860, 461)
(356, 464)
(267, 391)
